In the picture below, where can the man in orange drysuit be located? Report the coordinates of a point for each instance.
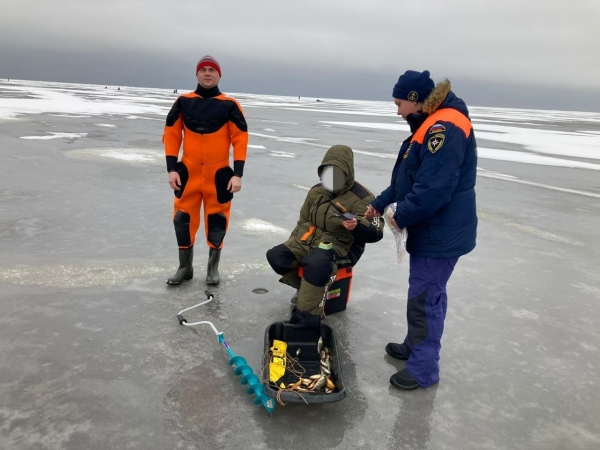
(209, 123)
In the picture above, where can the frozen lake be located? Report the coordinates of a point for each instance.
(92, 355)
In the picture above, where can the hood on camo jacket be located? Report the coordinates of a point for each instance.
(319, 221)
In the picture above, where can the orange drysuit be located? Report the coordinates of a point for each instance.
(208, 122)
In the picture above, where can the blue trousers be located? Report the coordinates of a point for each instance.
(425, 313)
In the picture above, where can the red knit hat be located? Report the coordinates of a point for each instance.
(208, 60)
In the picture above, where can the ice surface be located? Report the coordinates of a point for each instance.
(261, 227)
(574, 144)
(52, 135)
(532, 136)
(529, 158)
(282, 154)
(89, 328)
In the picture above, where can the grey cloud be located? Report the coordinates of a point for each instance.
(523, 46)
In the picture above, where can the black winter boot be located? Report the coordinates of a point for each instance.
(212, 272)
(398, 351)
(404, 381)
(185, 271)
(307, 327)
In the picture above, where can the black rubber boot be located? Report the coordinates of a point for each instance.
(185, 271)
(212, 272)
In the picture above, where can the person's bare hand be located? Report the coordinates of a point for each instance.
(235, 184)
(174, 181)
(371, 212)
(350, 224)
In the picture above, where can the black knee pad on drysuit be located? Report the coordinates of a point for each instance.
(317, 266)
(222, 178)
(182, 229)
(418, 327)
(281, 259)
(217, 225)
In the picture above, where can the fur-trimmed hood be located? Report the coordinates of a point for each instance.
(443, 97)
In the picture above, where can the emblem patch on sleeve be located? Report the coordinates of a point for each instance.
(437, 128)
(435, 142)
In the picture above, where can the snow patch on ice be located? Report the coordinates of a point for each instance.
(530, 158)
(355, 112)
(550, 142)
(81, 275)
(553, 142)
(52, 135)
(299, 186)
(282, 154)
(143, 155)
(500, 176)
(504, 121)
(142, 118)
(260, 147)
(279, 121)
(258, 226)
(524, 314)
(371, 125)
(492, 174)
(129, 156)
(56, 98)
(71, 116)
(106, 125)
(539, 141)
(378, 155)
(292, 140)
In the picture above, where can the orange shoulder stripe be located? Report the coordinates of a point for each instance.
(444, 115)
(190, 95)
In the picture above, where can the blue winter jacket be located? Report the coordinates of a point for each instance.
(433, 182)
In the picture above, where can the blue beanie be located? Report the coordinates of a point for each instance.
(413, 86)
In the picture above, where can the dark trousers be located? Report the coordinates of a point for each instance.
(317, 265)
(425, 313)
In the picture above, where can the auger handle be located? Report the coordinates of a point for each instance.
(184, 322)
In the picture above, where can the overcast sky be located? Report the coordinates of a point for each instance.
(520, 53)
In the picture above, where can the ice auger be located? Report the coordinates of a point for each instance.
(241, 366)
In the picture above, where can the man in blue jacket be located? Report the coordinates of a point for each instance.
(433, 185)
